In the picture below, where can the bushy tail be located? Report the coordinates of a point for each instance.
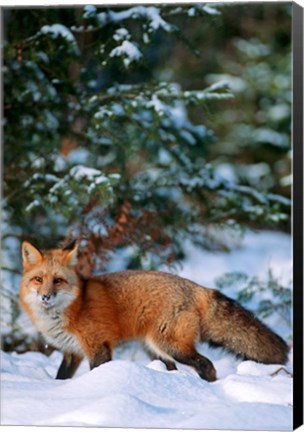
(229, 325)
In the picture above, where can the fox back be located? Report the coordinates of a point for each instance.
(89, 318)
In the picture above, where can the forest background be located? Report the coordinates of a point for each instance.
(135, 129)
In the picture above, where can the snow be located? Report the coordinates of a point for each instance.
(133, 394)
(33, 204)
(141, 393)
(96, 177)
(121, 34)
(128, 50)
(226, 171)
(155, 20)
(56, 30)
(151, 14)
(258, 252)
(79, 172)
(262, 135)
(157, 105)
(279, 112)
(89, 10)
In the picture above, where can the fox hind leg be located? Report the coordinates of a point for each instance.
(203, 366)
(178, 343)
(170, 365)
(190, 357)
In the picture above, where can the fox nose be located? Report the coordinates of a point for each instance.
(45, 297)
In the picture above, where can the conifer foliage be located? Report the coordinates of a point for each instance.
(99, 148)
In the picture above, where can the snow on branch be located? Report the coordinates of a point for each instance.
(72, 190)
(164, 91)
(151, 14)
(128, 50)
(57, 30)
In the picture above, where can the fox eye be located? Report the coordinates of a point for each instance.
(58, 281)
(38, 279)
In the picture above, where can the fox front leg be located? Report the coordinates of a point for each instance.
(103, 355)
(68, 366)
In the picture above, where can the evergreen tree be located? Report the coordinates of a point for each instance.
(96, 149)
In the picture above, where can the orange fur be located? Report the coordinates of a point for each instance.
(89, 318)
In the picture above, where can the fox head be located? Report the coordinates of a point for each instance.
(49, 279)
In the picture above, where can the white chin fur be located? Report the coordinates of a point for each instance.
(47, 305)
(50, 320)
(62, 300)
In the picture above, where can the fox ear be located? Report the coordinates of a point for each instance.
(30, 254)
(72, 255)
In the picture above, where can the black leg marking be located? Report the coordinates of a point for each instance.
(170, 365)
(203, 366)
(102, 356)
(68, 366)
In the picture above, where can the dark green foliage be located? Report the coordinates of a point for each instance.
(91, 129)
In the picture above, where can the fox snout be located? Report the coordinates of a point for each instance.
(47, 300)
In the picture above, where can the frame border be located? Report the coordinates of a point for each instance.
(297, 131)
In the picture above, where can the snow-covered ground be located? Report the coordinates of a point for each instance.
(141, 393)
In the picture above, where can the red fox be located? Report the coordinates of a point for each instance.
(170, 314)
